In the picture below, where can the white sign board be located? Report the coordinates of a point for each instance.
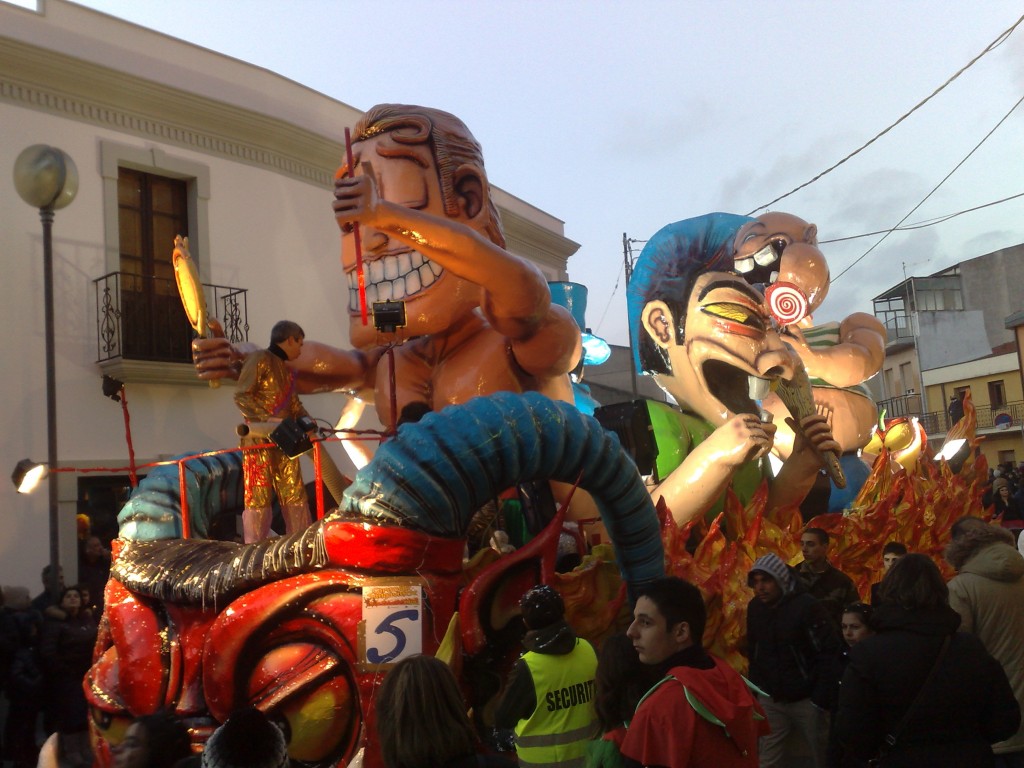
(392, 621)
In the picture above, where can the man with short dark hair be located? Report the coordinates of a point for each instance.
(53, 585)
(891, 552)
(266, 394)
(701, 712)
(824, 581)
(549, 699)
(792, 643)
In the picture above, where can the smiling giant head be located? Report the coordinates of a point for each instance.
(427, 160)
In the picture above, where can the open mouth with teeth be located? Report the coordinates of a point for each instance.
(395, 277)
(763, 266)
(734, 388)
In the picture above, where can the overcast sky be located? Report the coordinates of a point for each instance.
(620, 117)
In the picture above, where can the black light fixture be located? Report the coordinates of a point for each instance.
(27, 475)
(388, 316)
(112, 388)
(292, 436)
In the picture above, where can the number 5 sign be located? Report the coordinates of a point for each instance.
(392, 625)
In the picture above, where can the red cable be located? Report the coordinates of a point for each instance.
(128, 438)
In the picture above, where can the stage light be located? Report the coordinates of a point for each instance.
(954, 453)
(27, 475)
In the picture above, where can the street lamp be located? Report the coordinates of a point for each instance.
(46, 178)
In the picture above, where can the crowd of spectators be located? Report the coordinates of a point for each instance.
(1005, 494)
(928, 674)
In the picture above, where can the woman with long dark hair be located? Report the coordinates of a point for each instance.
(422, 721)
(159, 740)
(919, 693)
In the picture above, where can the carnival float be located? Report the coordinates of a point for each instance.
(468, 361)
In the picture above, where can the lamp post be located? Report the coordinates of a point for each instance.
(46, 178)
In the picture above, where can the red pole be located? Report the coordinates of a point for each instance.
(183, 493)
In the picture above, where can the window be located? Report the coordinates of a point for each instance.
(1008, 457)
(996, 394)
(890, 384)
(101, 498)
(148, 198)
(907, 377)
(151, 211)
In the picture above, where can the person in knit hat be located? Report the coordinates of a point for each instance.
(247, 739)
(791, 644)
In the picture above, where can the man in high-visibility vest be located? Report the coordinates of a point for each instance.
(549, 698)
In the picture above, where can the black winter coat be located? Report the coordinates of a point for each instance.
(967, 706)
(65, 653)
(792, 647)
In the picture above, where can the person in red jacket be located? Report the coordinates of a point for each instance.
(701, 713)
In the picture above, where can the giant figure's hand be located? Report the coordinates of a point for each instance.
(742, 438)
(216, 357)
(696, 484)
(812, 437)
(355, 199)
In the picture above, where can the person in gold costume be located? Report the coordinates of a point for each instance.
(266, 392)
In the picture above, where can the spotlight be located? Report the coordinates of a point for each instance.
(388, 316)
(27, 475)
(112, 388)
(292, 436)
(955, 453)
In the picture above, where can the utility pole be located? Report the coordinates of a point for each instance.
(627, 263)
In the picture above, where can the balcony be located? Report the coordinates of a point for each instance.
(937, 422)
(142, 333)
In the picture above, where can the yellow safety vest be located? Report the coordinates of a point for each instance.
(557, 732)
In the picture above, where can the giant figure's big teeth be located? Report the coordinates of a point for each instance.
(393, 278)
(758, 388)
(766, 256)
(744, 265)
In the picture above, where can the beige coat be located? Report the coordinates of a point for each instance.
(988, 593)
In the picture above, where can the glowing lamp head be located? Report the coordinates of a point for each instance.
(27, 475)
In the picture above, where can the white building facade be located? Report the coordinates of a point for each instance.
(166, 136)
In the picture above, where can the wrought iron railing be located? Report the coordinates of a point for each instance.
(939, 422)
(141, 317)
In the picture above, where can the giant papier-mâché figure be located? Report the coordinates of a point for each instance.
(479, 319)
(202, 628)
(778, 253)
(706, 336)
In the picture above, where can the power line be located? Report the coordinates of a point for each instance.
(925, 223)
(934, 189)
(991, 46)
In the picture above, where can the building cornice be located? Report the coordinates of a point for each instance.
(62, 85)
(65, 86)
(537, 243)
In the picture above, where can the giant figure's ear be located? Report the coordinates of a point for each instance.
(657, 320)
(471, 189)
(811, 234)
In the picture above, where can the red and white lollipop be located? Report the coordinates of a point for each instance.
(786, 303)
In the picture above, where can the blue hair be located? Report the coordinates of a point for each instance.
(668, 266)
